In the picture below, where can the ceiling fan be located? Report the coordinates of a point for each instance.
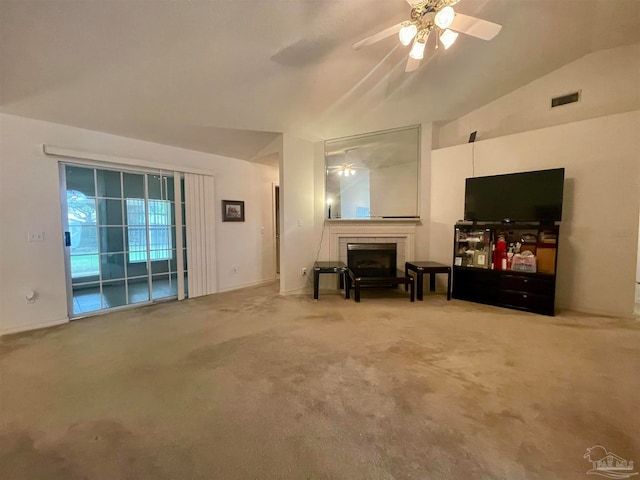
(433, 18)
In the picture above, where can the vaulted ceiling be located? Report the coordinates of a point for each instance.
(226, 76)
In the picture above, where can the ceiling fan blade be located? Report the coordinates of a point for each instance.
(475, 26)
(378, 36)
(412, 64)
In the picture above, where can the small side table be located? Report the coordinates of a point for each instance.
(381, 282)
(420, 268)
(330, 267)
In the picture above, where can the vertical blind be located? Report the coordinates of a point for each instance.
(201, 216)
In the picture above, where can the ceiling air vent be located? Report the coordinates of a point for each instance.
(565, 99)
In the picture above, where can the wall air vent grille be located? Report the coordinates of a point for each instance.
(565, 99)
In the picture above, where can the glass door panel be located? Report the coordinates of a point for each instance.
(138, 289)
(160, 266)
(110, 211)
(86, 298)
(122, 238)
(133, 184)
(114, 294)
(184, 238)
(84, 260)
(111, 239)
(81, 180)
(112, 266)
(161, 286)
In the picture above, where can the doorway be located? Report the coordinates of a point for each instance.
(276, 215)
(120, 238)
(637, 298)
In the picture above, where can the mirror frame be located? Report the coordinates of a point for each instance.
(368, 138)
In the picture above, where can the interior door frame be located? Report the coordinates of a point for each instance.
(66, 249)
(275, 190)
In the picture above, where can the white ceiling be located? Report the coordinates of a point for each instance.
(224, 76)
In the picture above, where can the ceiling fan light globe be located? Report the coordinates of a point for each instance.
(407, 33)
(444, 18)
(417, 50)
(447, 38)
(340, 172)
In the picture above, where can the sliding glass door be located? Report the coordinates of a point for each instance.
(120, 238)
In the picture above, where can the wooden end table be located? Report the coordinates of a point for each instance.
(330, 267)
(420, 268)
(358, 282)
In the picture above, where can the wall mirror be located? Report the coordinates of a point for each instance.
(374, 175)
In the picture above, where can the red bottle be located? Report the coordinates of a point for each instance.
(500, 253)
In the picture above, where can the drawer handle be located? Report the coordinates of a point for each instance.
(526, 280)
(524, 296)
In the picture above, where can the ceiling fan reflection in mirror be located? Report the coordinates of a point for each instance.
(433, 18)
(347, 168)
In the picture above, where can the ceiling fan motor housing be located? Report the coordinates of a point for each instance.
(423, 15)
(429, 16)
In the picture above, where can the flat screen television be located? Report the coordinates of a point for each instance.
(516, 197)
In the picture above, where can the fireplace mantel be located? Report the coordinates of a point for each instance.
(402, 231)
(366, 221)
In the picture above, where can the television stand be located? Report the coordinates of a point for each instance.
(524, 281)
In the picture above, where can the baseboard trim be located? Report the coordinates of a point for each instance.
(593, 311)
(35, 326)
(295, 291)
(247, 285)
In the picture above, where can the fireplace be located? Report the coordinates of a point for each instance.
(372, 259)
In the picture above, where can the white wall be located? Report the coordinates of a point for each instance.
(609, 81)
(298, 211)
(599, 231)
(423, 245)
(30, 202)
(638, 264)
(250, 244)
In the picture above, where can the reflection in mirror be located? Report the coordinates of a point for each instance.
(375, 175)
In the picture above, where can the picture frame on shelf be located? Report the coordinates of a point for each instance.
(481, 259)
(232, 211)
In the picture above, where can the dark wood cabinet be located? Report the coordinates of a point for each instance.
(475, 285)
(509, 265)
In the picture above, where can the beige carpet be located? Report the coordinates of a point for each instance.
(250, 385)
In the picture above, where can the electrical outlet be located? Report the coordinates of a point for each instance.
(35, 237)
(304, 270)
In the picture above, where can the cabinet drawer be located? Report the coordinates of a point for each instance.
(527, 301)
(528, 284)
(475, 276)
(475, 292)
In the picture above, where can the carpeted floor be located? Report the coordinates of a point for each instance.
(251, 385)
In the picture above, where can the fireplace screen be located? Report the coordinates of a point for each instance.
(372, 259)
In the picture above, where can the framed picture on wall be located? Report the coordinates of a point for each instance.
(232, 211)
